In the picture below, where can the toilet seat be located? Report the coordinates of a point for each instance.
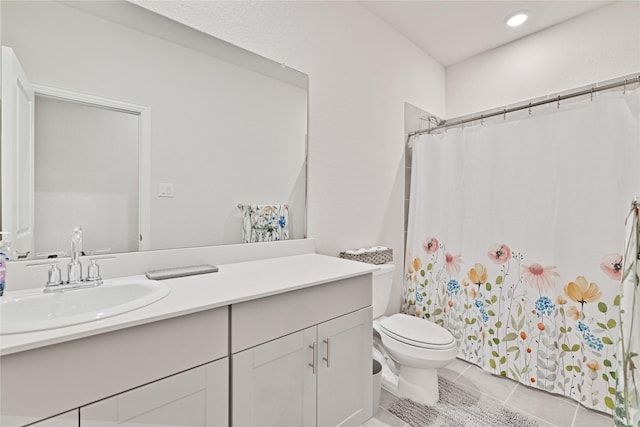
(417, 332)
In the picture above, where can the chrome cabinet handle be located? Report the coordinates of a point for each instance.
(314, 357)
(327, 341)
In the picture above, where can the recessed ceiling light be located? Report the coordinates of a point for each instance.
(517, 19)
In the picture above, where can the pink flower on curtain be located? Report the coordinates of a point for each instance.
(452, 263)
(539, 277)
(499, 253)
(430, 245)
(612, 266)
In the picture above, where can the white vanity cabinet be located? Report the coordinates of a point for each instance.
(197, 397)
(317, 376)
(275, 342)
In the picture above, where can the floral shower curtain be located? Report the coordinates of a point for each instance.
(515, 241)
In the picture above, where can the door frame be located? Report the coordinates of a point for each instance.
(144, 146)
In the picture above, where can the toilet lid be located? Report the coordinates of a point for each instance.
(416, 331)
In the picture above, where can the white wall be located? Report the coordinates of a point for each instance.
(594, 47)
(361, 73)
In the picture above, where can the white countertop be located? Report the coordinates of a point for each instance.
(233, 283)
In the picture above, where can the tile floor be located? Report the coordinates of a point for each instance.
(549, 410)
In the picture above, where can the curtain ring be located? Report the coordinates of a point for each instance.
(529, 108)
(481, 119)
(504, 114)
(624, 92)
(592, 93)
(558, 101)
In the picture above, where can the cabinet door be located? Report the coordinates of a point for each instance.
(197, 397)
(345, 372)
(274, 383)
(68, 419)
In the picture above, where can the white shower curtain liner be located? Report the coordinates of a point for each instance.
(515, 236)
(627, 412)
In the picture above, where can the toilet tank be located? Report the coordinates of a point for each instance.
(382, 283)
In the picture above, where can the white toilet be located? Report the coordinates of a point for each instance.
(417, 347)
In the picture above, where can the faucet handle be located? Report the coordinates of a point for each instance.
(55, 275)
(93, 272)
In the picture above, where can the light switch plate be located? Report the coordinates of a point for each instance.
(165, 190)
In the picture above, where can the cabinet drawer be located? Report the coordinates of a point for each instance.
(264, 319)
(74, 373)
(68, 419)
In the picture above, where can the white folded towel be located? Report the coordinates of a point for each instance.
(356, 251)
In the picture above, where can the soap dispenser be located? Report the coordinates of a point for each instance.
(6, 247)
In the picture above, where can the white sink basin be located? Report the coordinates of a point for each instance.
(37, 311)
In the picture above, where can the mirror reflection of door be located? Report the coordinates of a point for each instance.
(16, 155)
(86, 174)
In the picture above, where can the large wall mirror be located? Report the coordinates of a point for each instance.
(146, 133)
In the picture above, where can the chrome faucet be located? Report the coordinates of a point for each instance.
(74, 269)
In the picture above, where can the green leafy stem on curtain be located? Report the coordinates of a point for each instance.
(596, 333)
(425, 298)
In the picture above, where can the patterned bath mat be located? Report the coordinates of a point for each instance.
(458, 408)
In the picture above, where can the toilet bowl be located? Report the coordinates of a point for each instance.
(417, 347)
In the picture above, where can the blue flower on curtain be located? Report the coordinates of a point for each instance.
(582, 327)
(591, 340)
(479, 304)
(453, 288)
(544, 306)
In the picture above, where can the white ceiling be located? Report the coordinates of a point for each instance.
(451, 31)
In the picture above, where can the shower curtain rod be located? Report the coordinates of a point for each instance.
(457, 122)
